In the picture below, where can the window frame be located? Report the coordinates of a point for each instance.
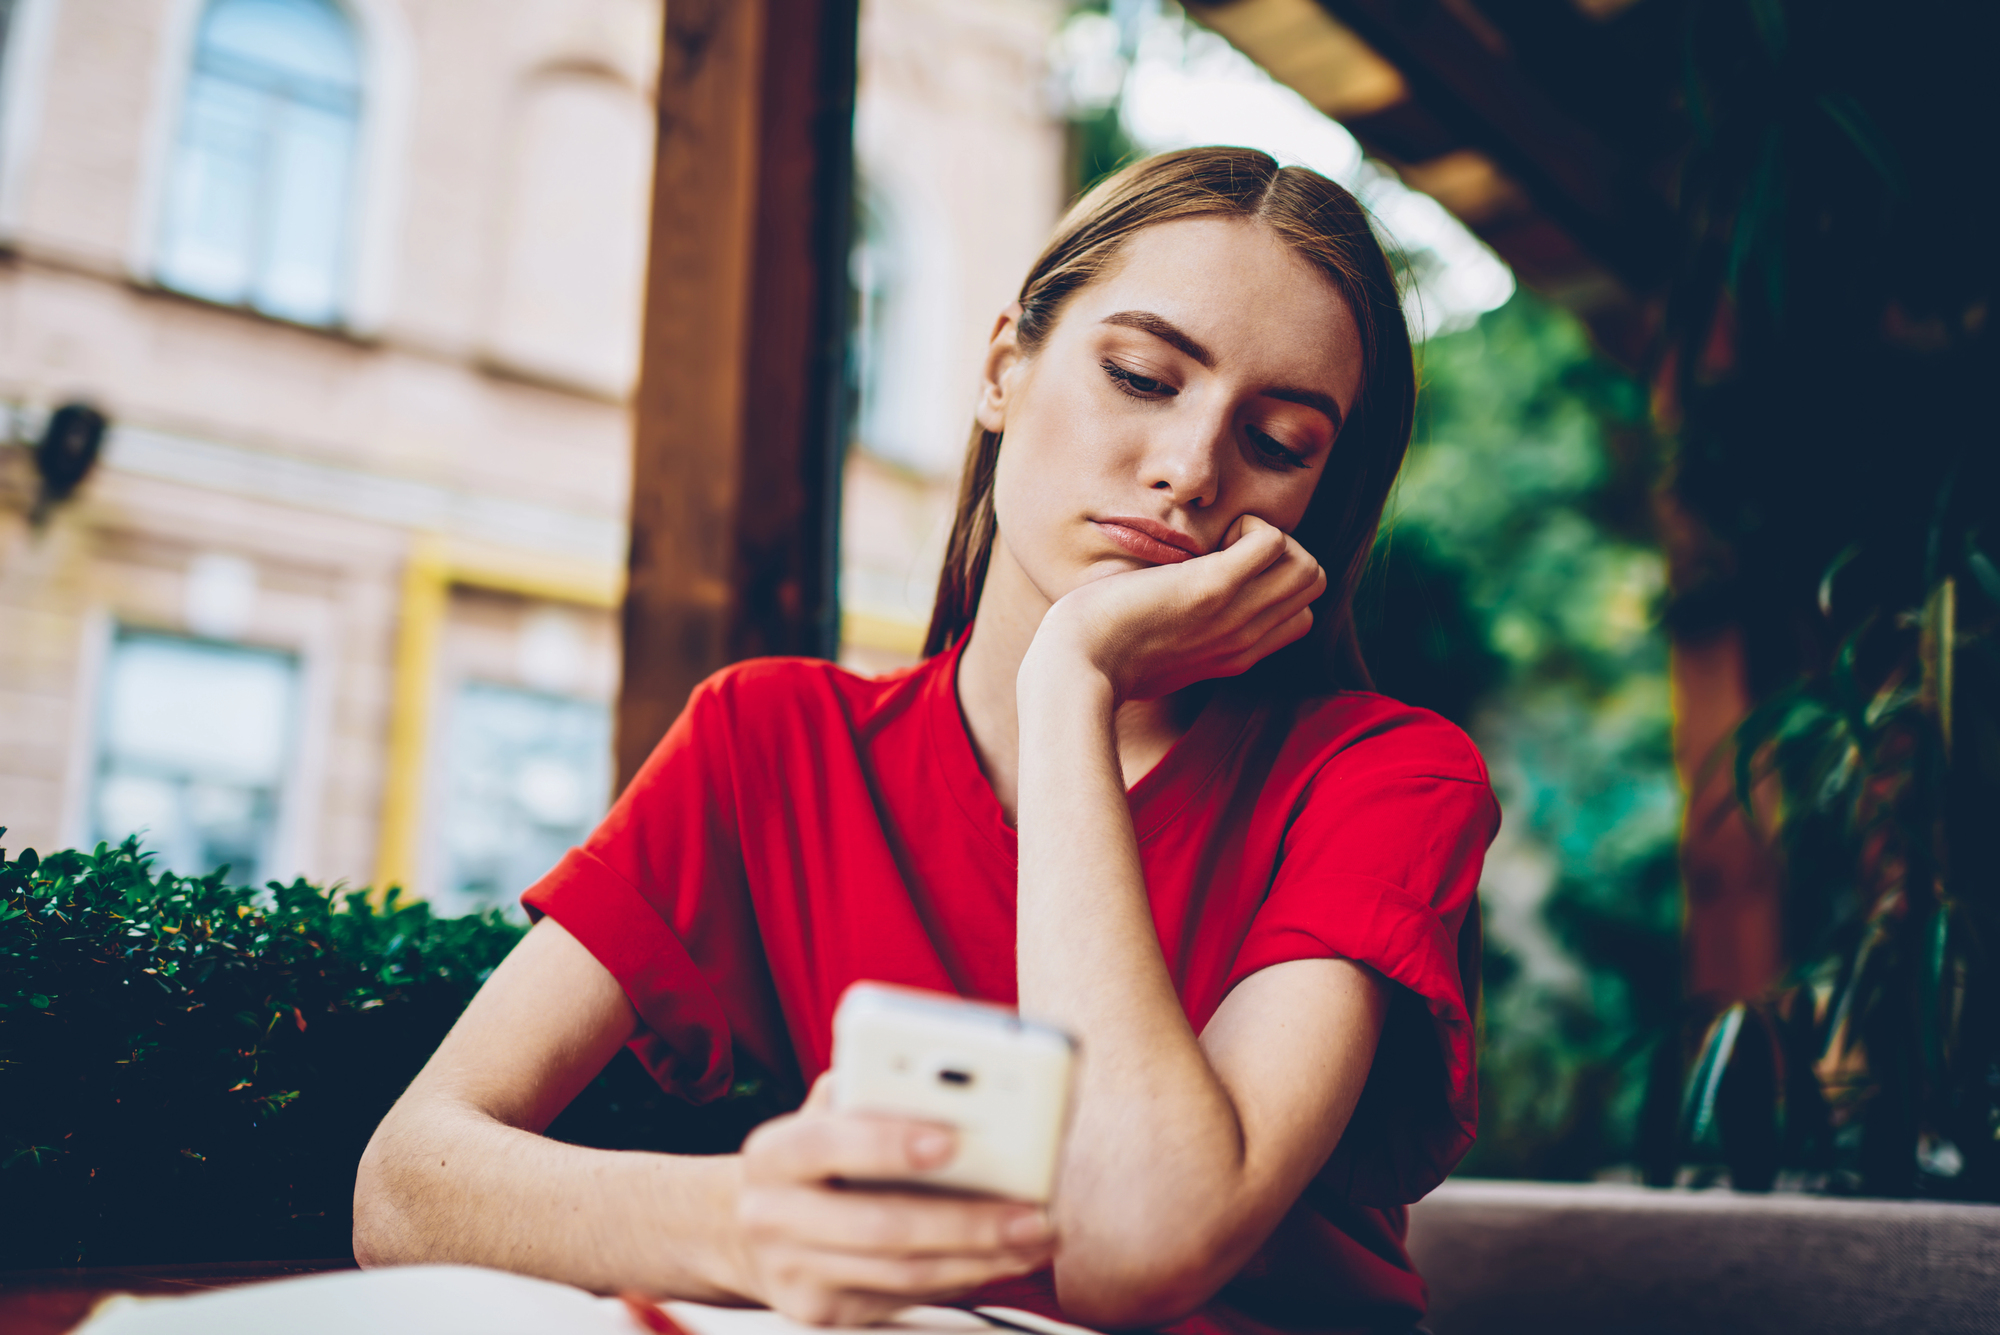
(282, 849)
(377, 181)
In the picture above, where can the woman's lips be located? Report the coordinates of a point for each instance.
(1149, 541)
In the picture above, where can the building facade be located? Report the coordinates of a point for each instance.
(960, 174)
(356, 284)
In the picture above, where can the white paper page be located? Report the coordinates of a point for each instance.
(468, 1300)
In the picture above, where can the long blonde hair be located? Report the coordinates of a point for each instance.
(1328, 227)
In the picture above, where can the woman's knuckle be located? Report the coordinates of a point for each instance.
(918, 1274)
(761, 1213)
(761, 1141)
(812, 1304)
(883, 1228)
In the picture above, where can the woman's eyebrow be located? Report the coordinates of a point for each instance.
(1160, 327)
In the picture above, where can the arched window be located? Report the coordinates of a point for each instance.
(573, 264)
(257, 200)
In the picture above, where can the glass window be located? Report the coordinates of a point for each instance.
(194, 741)
(529, 775)
(257, 201)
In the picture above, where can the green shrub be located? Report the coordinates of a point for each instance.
(189, 1070)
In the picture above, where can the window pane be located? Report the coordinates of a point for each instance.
(256, 206)
(303, 40)
(194, 740)
(209, 235)
(306, 212)
(529, 775)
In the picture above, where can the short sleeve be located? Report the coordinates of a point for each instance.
(657, 895)
(1380, 864)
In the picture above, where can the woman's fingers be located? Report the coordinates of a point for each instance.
(910, 1279)
(1278, 590)
(1250, 547)
(1154, 631)
(824, 1253)
(816, 1146)
(1282, 590)
(846, 1289)
(898, 1223)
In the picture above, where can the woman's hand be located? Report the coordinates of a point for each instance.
(829, 1254)
(1151, 632)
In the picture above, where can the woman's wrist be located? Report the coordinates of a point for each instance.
(1059, 673)
(734, 1274)
(1062, 688)
(694, 1212)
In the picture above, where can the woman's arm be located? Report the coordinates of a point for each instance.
(459, 1172)
(1184, 1152)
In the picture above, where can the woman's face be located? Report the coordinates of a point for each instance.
(1204, 379)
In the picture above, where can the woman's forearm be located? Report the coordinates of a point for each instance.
(1156, 1155)
(444, 1182)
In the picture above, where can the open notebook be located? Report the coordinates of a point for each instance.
(465, 1300)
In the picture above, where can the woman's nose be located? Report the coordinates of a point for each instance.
(1187, 469)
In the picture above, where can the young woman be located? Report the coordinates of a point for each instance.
(1144, 794)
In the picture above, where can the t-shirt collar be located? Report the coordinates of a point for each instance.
(1161, 793)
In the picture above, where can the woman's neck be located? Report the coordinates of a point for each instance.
(1010, 611)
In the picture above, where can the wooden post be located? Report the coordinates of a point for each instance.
(739, 415)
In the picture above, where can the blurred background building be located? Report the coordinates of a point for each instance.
(358, 286)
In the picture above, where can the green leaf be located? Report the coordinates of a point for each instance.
(1868, 140)
(1932, 1000)
(1768, 16)
(1834, 567)
(1718, 1045)
(1982, 568)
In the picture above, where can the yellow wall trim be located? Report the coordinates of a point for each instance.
(435, 566)
(884, 633)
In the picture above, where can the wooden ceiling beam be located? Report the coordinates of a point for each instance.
(1459, 69)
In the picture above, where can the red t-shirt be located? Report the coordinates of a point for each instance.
(802, 827)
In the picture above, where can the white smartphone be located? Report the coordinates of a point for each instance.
(1000, 1081)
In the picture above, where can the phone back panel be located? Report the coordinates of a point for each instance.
(1001, 1081)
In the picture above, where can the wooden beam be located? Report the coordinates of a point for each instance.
(1460, 70)
(739, 418)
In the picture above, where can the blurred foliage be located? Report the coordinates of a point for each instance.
(1515, 590)
(1096, 145)
(1095, 142)
(1828, 344)
(189, 1070)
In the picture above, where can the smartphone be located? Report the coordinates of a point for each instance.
(1002, 1082)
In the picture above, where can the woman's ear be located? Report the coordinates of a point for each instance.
(1003, 358)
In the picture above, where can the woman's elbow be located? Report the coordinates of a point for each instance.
(381, 1234)
(1129, 1292)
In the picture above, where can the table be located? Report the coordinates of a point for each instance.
(50, 1302)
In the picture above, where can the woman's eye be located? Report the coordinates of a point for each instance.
(1274, 453)
(1138, 386)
